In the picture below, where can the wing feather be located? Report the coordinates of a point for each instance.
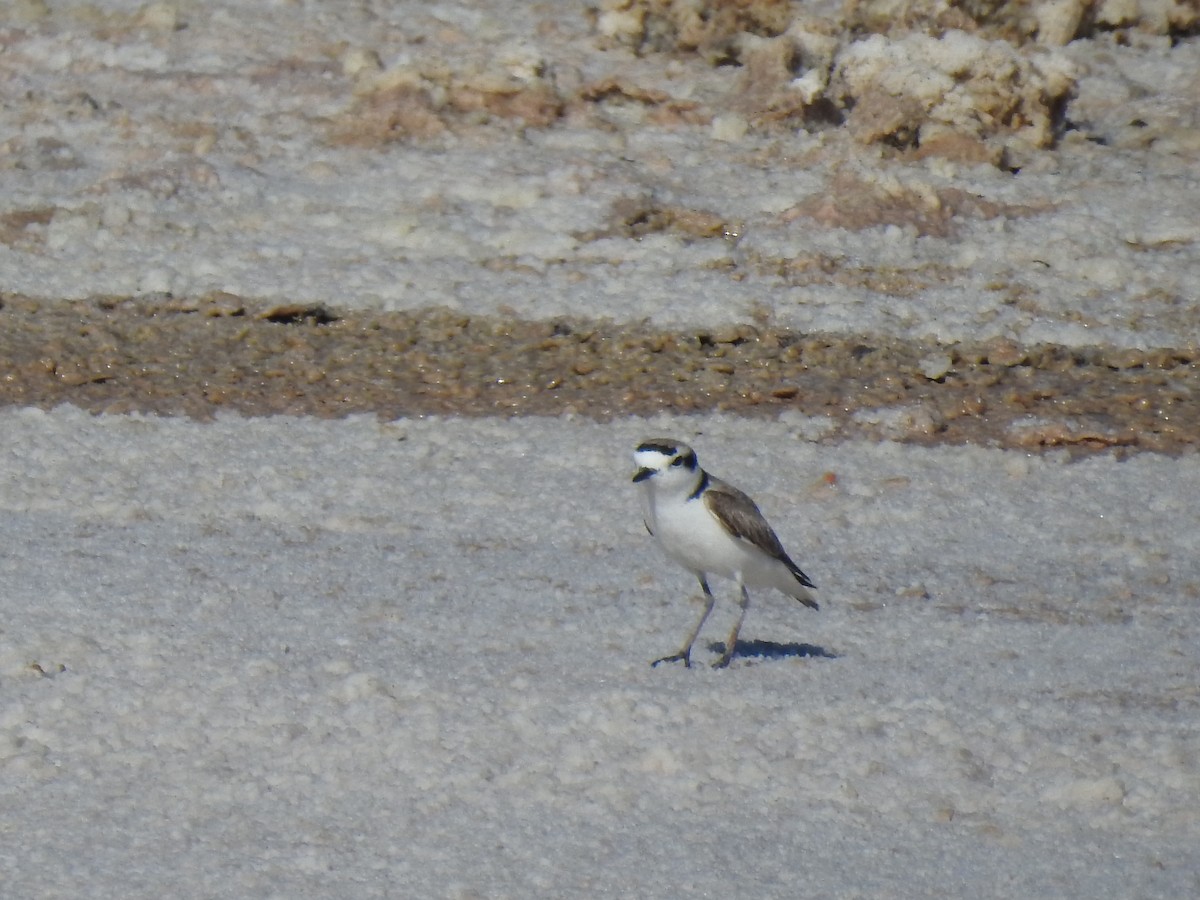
(741, 517)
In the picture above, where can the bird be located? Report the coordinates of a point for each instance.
(711, 528)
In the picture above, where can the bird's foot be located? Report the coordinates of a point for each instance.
(727, 651)
(685, 655)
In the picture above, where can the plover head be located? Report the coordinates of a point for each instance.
(667, 464)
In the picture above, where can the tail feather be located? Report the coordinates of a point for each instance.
(805, 582)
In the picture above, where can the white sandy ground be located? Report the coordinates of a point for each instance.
(350, 659)
(300, 658)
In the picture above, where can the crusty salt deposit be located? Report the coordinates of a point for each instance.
(287, 657)
(372, 158)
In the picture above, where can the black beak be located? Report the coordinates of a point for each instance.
(642, 474)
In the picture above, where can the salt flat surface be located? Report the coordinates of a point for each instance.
(352, 659)
(309, 659)
(188, 148)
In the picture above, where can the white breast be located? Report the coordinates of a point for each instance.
(688, 534)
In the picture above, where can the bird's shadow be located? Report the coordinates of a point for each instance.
(773, 650)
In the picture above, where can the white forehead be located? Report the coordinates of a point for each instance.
(650, 459)
(656, 454)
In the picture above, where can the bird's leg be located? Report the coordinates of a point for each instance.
(731, 643)
(686, 653)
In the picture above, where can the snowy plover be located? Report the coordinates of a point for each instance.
(711, 528)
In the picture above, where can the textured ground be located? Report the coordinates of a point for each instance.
(956, 191)
(197, 359)
(405, 652)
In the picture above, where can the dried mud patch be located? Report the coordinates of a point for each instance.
(197, 357)
(856, 203)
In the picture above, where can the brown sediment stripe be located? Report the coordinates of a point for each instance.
(197, 357)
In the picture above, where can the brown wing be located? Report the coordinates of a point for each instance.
(739, 514)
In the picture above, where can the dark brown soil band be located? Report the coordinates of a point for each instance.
(197, 357)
